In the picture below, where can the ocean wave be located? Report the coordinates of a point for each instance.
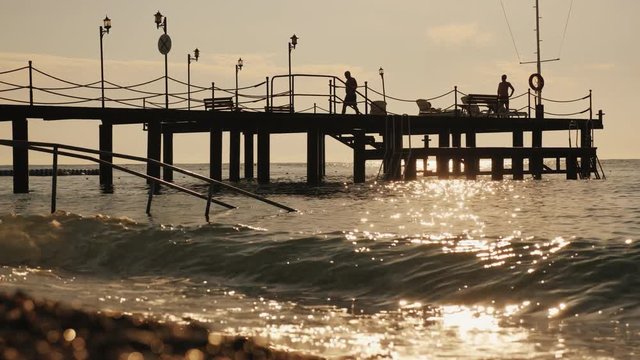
(378, 270)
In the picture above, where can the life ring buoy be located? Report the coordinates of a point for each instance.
(536, 82)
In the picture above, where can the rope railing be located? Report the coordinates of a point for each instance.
(390, 97)
(64, 88)
(14, 85)
(244, 98)
(13, 89)
(568, 114)
(65, 95)
(125, 103)
(59, 79)
(13, 70)
(440, 96)
(129, 87)
(16, 101)
(565, 101)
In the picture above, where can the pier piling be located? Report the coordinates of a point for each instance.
(359, 157)
(517, 167)
(442, 161)
(264, 156)
(234, 155)
(167, 155)
(105, 135)
(20, 129)
(248, 155)
(215, 154)
(154, 139)
(313, 157)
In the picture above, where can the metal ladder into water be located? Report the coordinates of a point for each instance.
(83, 153)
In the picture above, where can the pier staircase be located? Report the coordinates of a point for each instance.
(349, 140)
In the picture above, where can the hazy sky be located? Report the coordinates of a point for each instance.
(425, 46)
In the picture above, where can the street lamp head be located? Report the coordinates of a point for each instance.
(294, 41)
(240, 63)
(381, 71)
(107, 23)
(158, 19)
(196, 53)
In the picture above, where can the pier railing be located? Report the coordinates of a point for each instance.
(85, 154)
(257, 97)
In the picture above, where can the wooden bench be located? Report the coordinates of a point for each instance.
(283, 109)
(221, 103)
(472, 101)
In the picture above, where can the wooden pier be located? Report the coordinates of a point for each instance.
(370, 137)
(374, 135)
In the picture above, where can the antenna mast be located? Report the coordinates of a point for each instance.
(538, 37)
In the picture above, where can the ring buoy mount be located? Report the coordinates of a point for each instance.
(536, 82)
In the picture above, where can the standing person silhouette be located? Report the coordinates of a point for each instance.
(504, 95)
(350, 97)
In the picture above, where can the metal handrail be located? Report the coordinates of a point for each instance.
(44, 147)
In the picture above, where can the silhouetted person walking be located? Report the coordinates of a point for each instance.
(350, 97)
(504, 95)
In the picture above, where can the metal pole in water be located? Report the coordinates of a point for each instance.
(206, 211)
(152, 189)
(54, 179)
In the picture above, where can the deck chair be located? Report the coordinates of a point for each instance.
(471, 109)
(378, 107)
(424, 107)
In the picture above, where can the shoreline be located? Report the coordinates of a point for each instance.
(40, 328)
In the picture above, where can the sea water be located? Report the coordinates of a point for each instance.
(422, 269)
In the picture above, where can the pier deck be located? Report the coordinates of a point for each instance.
(371, 137)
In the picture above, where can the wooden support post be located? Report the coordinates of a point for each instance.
(392, 139)
(154, 145)
(167, 155)
(398, 147)
(471, 163)
(313, 157)
(410, 168)
(323, 154)
(359, 158)
(497, 167)
(20, 131)
(535, 162)
(585, 143)
(234, 155)
(263, 156)
(571, 164)
(517, 166)
(215, 154)
(535, 165)
(456, 142)
(105, 139)
(387, 142)
(248, 155)
(425, 159)
(442, 162)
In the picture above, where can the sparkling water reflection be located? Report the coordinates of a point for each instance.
(421, 269)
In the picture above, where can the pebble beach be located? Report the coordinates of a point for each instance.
(33, 328)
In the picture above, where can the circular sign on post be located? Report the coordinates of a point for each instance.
(164, 44)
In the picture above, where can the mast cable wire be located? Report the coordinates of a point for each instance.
(513, 40)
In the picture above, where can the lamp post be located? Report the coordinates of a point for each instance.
(164, 45)
(384, 94)
(238, 68)
(292, 45)
(105, 30)
(196, 55)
